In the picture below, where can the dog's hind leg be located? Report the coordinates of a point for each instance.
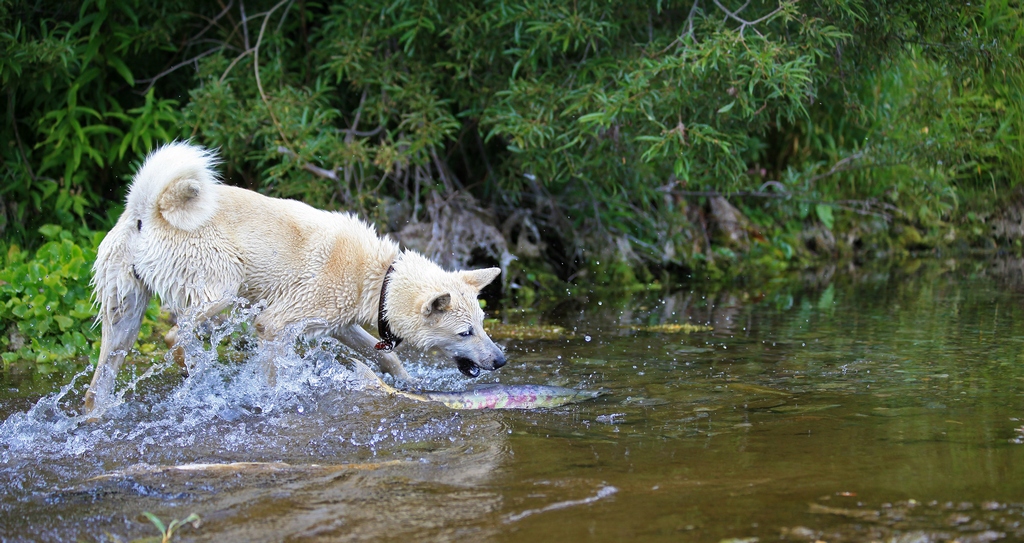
(355, 336)
(177, 351)
(123, 298)
(208, 315)
(121, 325)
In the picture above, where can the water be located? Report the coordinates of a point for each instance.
(867, 405)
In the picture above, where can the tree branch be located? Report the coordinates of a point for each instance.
(245, 25)
(311, 168)
(841, 166)
(256, 70)
(743, 22)
(213, 21)
(689, 29)
(152, 80)
(227, 70)
(690, 17)
(245, 30)
(349, 135)
(191, 41)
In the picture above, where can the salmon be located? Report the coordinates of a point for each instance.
(490, 396)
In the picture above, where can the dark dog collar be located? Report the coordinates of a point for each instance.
(388, 339)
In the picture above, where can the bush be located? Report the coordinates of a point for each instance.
(45, 309)
(77, 107)
(587, 131)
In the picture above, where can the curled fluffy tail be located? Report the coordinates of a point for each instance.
(177, 185)
(174, 189)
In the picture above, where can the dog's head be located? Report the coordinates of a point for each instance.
(429, 307)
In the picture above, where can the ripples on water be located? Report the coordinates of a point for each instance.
(874, 406)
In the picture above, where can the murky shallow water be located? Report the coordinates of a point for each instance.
(867, 406)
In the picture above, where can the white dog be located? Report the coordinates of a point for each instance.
(199, 244)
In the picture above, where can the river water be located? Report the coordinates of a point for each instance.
(854, 406)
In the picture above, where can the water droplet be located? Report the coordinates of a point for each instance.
(587, 338)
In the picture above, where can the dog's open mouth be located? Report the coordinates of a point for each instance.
(467, 366)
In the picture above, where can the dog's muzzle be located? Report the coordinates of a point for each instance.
(467, 367)
(472, 369)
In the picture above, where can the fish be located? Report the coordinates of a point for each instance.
(489, 396)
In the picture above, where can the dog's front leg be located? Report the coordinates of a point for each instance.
(120, 330)
(389, 362)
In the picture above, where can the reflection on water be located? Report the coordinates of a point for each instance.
(850, 407)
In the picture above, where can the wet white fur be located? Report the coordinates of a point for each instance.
(202, 243)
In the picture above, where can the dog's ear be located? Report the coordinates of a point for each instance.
(438, 303)
(479, 279)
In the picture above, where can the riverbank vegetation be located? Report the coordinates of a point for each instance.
(587, 142)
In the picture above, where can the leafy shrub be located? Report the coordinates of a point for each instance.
(77, 106)
(594, 130)
(45, 308)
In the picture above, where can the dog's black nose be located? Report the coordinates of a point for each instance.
(499, 362)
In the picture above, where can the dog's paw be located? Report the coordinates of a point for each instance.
(408, 383)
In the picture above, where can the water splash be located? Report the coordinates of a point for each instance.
(224, 410)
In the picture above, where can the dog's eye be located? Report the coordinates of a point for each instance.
(467, 333)
(139, 225)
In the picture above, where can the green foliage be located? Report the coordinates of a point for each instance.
(603, 130)
(75, 109)
(46, 313)
(940, 119)
(167, 531)
(602, 127)
(45, 304)
(602, 119)
(599, 116)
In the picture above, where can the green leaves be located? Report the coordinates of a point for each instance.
(167, 531)
(69, 78)
(152, 123)
(46, 300)
(824, 213)
(611, 119)
(45, 308)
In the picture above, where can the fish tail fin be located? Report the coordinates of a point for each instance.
(364, 372)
